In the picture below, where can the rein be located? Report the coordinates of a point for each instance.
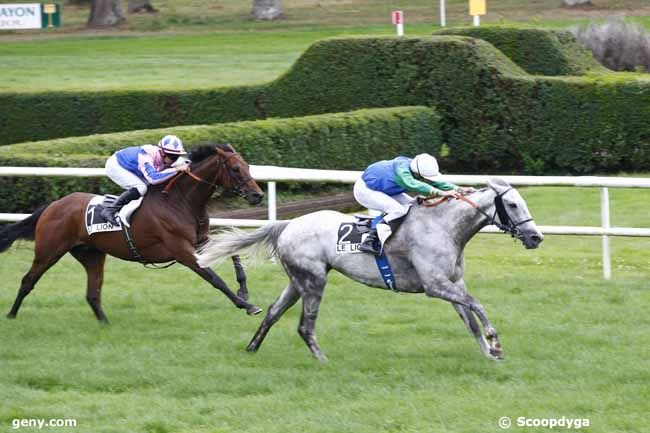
(236, 189)
(506, 225)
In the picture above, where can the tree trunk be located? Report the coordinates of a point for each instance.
(267, 9)
(136, 6)
(105, 13)
(571, 3)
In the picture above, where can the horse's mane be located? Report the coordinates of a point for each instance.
(207, 149)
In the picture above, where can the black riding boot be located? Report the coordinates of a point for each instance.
(371, 244)
(110, 212)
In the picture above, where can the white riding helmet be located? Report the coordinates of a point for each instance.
(172, 144)
(426, 166)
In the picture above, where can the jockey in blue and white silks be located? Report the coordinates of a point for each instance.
(383, 186)
(136, 167)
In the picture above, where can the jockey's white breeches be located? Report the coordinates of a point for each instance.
(394, 207)
(124, 177)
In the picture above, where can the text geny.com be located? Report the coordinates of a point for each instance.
(40, 423)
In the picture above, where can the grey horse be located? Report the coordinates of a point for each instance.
(425, 253)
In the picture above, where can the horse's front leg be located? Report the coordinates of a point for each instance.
(472, 325)
(241, 278)
(186, 257)
(210, 276)
(436, 284)
(466, 305)
(490, 332)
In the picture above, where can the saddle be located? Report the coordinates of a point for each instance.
(363, 224)
(95, 223)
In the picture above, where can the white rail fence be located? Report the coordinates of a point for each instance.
(272, 175)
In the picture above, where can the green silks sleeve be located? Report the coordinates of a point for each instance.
(405, 179)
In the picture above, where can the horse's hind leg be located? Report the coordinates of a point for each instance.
(311, 284)
(93, 261)
(43, 260)
(286, 300)
(468, 318)
(241, 278)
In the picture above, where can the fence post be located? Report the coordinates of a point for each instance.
(604, 218)
(273, 207)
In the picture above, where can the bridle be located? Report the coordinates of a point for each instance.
(505, 223)
(223, 165)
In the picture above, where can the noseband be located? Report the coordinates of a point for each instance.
(506, 225)
(236, 189)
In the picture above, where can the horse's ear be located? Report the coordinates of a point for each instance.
(498, 184)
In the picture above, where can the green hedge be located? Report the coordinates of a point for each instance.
(46, 115)
(495, 116)
(536, 51)
(332, 141)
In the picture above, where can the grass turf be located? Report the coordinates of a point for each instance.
(173, 360)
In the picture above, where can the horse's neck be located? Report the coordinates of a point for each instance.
(460, 220)
(477, 220)
(195, 194)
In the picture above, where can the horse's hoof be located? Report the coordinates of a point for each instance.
(11, 316)
(253, 310)
(496, 354)
(251, 348)
(243, 295)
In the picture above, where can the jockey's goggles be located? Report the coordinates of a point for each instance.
(172, 156)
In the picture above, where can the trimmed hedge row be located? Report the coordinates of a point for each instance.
(536, 51)
(47, 115)
(495, 116)
(332, 141)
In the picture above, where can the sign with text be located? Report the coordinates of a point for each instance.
(19, 16)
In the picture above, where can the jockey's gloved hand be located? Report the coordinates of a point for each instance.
(184, 167)
(467, 190)
(450, 193)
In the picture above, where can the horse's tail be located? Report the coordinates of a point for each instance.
(24, 229)
(234, 241)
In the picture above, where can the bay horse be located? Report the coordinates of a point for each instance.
(169, 224)
(426, 254)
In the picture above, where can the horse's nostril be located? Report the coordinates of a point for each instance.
(537, 238)
(256, 197)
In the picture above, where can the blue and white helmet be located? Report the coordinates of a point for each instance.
(172, 145)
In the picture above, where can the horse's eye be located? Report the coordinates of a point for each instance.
(236, 170)
(512, 205)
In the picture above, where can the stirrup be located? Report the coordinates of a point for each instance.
(110, 215)
(370, 247)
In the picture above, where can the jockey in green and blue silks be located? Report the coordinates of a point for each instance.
(383, 187)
